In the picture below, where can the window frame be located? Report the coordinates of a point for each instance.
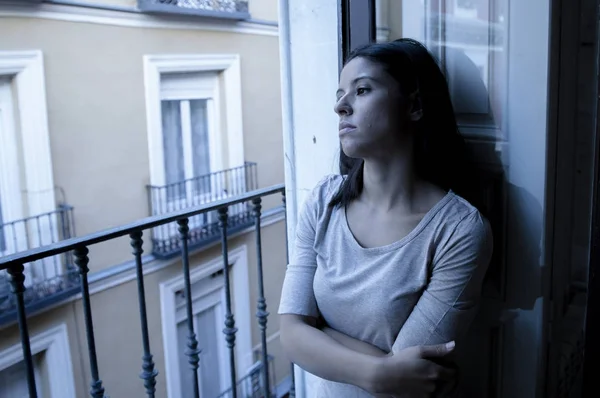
(199, 86)
(238, 265)
(227, 67)
(54, 343)
(34, 194)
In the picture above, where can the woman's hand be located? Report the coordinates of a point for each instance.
(411, 372)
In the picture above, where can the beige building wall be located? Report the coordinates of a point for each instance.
(97, 112)
(117, 323)
(394, 19)
(388, 20)
(99, 145)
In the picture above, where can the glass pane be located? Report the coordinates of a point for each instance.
(13, 380)
(186, 376)
(208, 342)
(495, 54)
(173, 149)
(469, 38)
(200, 144)
(209, 369)
(2, 236)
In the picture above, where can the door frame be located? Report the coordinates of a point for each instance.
(241, 309)
(354, 31)
(563, 111)
(591, 346)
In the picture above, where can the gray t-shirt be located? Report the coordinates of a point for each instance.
(422, 289)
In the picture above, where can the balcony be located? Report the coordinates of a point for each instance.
(252, 385)
(48, 280)
(259, 381)
(203, 228)
(224, 9)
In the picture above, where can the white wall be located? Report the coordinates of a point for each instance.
(309, 81)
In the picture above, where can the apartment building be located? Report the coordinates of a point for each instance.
(113, 111)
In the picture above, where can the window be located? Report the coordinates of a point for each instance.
(189, 115)
(2, 235)
(208, 298)
(52, 366)
(184, 121)
(26, 181)
(195, 134)
(197, 83)
(13, 380)
(213, 371)
(28, 190)
(10, 184)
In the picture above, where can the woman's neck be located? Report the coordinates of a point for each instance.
(389, 184)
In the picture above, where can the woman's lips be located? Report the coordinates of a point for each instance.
(346, 128)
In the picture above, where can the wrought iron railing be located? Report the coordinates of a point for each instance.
(204, 227)
(252, 385)
(47, 280)
(228, 9)
(15, 265)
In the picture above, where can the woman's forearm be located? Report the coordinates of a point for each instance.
(319, 354)
(354, 344)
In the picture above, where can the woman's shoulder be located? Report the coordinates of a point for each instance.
(466, 220)
(324, 191)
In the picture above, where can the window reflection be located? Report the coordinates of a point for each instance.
(469, 39)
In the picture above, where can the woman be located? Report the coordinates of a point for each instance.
(390, 256)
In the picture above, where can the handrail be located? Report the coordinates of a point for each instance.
(142, 224)
(247, 165)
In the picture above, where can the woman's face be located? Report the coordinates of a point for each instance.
(371, 109)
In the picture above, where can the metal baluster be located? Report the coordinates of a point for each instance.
(287, 260)
(164, 228)
(16, 247)
(17, 281)
(64, 258)
(72, 233)
(82, 260)
(192, 352)
(255, 176)
(39, 232)
(42, 262)
(261, 312)
(54, 238)
(148, 372)
(169, 242)
(230, 329)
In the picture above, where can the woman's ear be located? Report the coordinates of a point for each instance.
(416, 108)
(415, 116)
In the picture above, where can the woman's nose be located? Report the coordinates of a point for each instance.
(342, 107)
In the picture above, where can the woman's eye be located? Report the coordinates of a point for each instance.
(361, 90)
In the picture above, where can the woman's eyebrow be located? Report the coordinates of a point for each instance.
(356, 80)
(363, 77)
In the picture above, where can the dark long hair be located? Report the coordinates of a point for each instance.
(439, 150)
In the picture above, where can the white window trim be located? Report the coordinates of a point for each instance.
(241, 310)
(11, 202)
(55, 343)
(232, 137)
(27, 69)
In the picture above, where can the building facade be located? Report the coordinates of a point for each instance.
(117, 110)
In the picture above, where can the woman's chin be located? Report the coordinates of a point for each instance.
(353, 151)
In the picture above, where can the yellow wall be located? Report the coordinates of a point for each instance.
(97, 112)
